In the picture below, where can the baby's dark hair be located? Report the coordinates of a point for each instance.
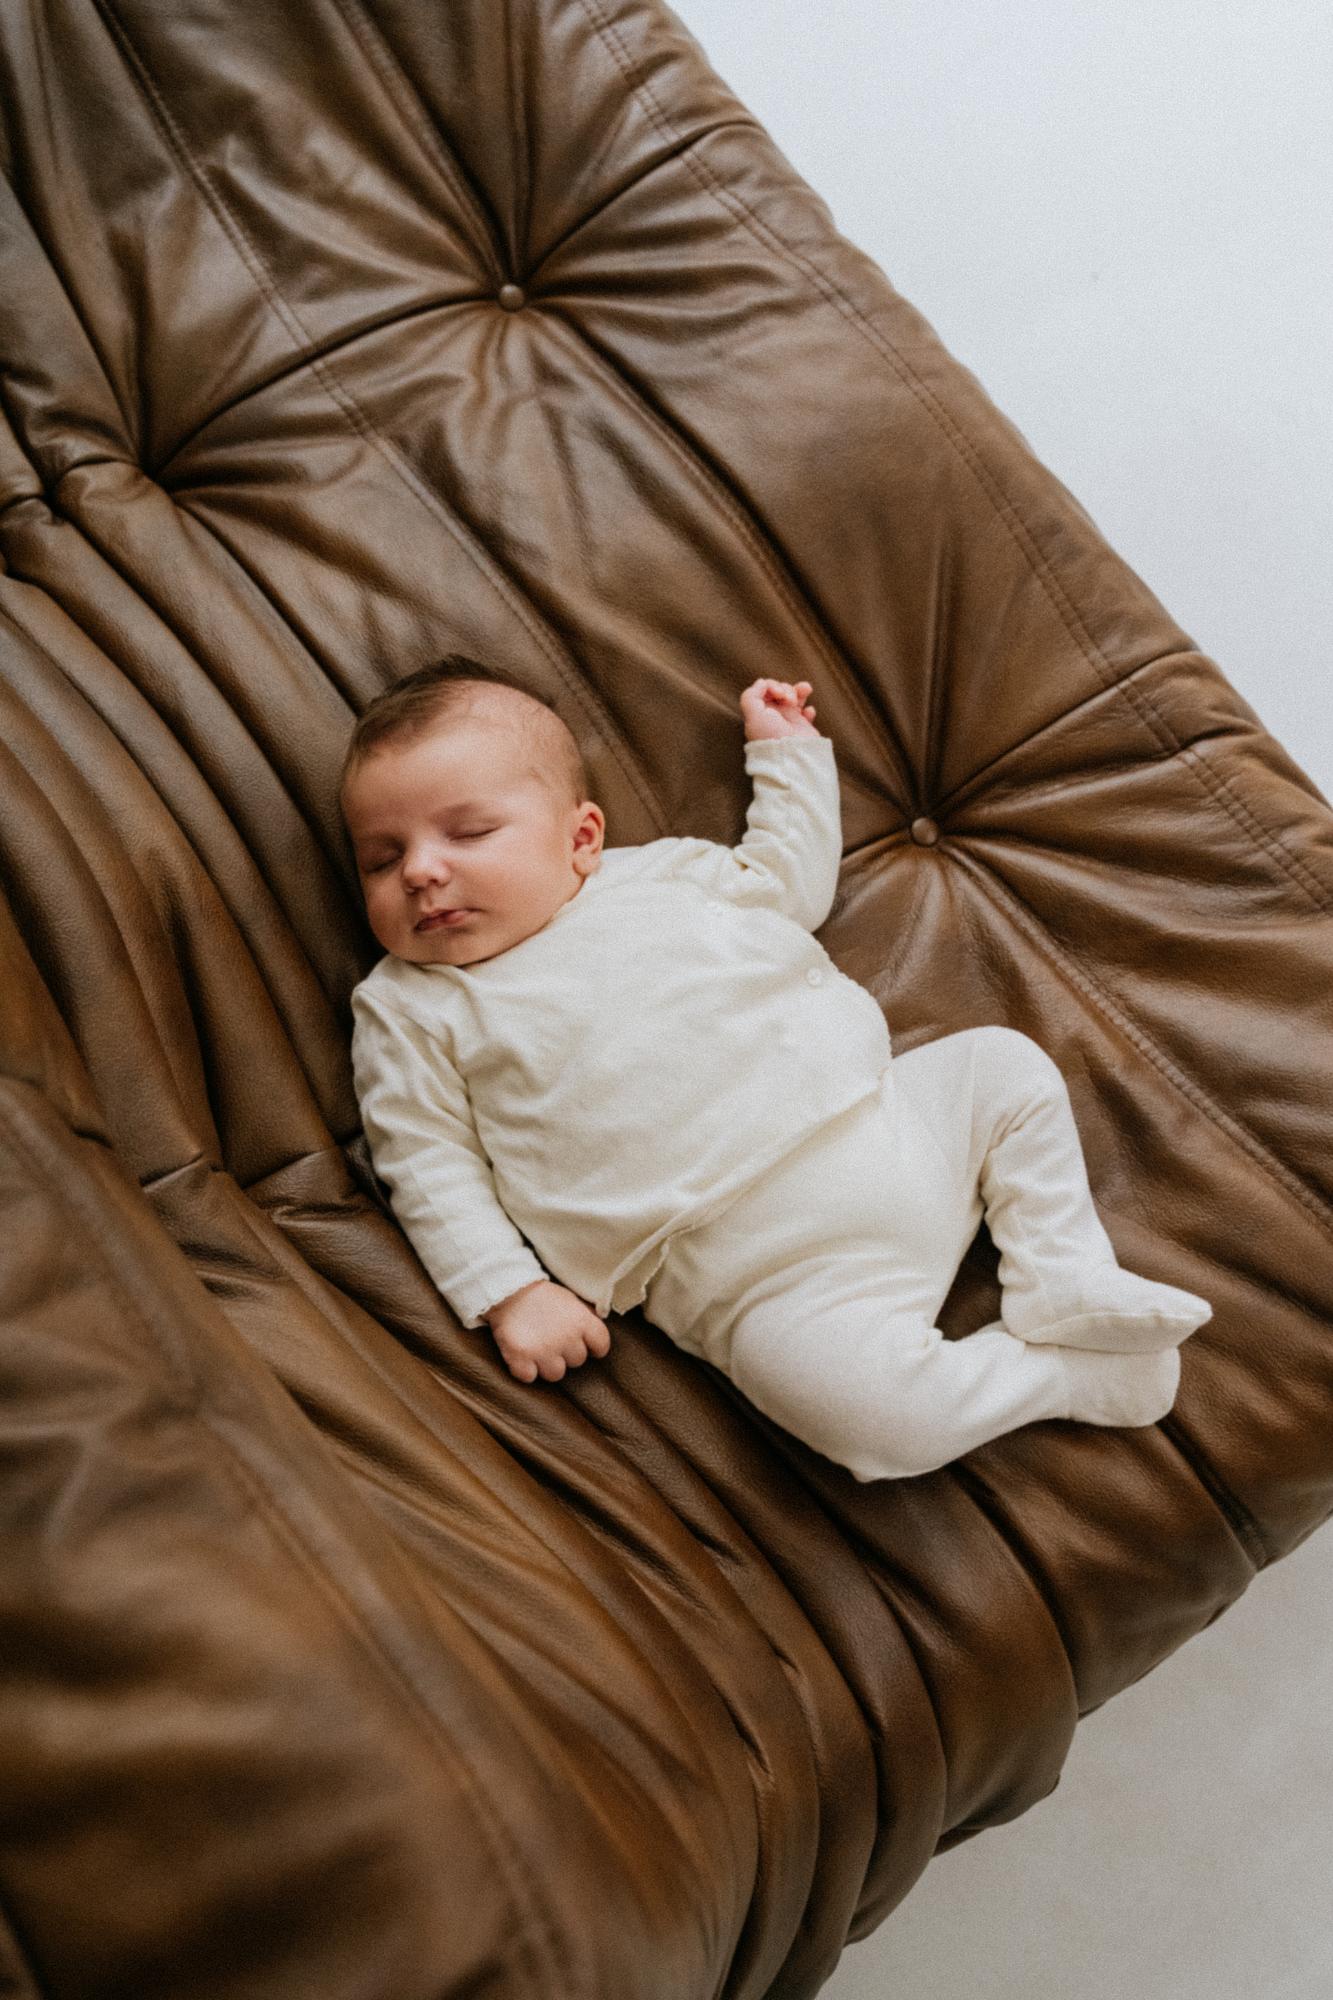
(425, 697)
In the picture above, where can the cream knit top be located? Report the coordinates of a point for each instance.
(560, 1109)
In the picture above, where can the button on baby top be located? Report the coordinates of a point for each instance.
(814, 977)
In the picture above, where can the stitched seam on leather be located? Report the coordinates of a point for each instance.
(1287, 860)
(961, 794)
(937, 697)
(363, 428)
(1044, 572)
(297, 362)
(766, 551)
(666, 158)
(521, 135)
(967, 788)
(416, 116)
(33, 1147)
(1076, 972)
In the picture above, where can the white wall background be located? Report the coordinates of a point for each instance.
(1119, 215)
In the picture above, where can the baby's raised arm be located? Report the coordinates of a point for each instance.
(791, 852)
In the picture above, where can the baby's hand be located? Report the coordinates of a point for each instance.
(545, 1328)
(776, 708)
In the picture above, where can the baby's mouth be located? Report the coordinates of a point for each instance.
(442, 919)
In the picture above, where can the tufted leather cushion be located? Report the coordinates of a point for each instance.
(333, 335)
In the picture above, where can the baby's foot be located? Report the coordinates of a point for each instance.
(1107, 1307)
(1125, 1389)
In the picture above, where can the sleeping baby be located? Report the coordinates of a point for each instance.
(597, 1078)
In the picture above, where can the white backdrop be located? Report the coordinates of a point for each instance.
(1119, 215)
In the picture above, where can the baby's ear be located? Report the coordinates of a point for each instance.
(590, 831)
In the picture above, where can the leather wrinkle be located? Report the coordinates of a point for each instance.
(1094, 990)
(132, 433)
(30, 1145)
(878, 1564)
(21, 1961)
(864, 1550)
(614, 738)
(982, 780)
(299, 363)
(314, 1090)
(988, 1509)
(871, 1555)
(333, 858)
(115, 942)
(906, 936)
(1237, 1516)
(883, 1568)
(548, 1476)
(528, 1454)
(251, 1488)
(1297, 870)
(725, 1554)
(709, 476)
(309, 649)
(1043, 571)
(519, 1883)
(258, 961)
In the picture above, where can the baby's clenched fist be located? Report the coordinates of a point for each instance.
(545, 1329)
(777, 708)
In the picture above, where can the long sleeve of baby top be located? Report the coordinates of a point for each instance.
(565, 1106)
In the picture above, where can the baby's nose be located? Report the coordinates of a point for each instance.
(423, 865)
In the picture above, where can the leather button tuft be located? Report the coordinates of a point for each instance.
(512, 297)
(924, 832)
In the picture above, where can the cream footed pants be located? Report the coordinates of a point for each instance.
(817, 1289)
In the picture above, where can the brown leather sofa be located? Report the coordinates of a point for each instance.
(335, 334)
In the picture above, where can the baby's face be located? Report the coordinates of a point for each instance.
(462, 849)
